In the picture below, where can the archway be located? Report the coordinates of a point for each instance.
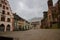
(8, 28)
(2, 27)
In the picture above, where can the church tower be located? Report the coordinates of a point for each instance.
(50, 16)
(50, 3)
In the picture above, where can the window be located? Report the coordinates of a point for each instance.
(8, 13)
(49, 16)
(3, 18)
(3, 12)
(8, 27)
(0, 5)
(8, 20)
(7, 8)
(3, 7)
(2, 27)
(4, 0)
(5, 3)
(50, 3)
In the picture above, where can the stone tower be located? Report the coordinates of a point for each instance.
(50, 3)
(6, 16)
(50, 18)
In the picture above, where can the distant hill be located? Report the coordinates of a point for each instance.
(35, 19)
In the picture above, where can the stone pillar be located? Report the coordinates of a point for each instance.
(5, 28)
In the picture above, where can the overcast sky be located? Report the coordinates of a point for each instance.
(28, 9)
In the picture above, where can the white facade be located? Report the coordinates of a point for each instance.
(5, 11)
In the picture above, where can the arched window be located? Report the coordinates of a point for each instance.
(7, 8)
(8, 13)
(2, 18)
(3, 12)
(8, 27)
(8, 19)
(2, 27)
(3, 7)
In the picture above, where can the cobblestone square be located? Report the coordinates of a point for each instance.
(41, 34)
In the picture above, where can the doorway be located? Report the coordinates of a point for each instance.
(2, 27)
(8, 28)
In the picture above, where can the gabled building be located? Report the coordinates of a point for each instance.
(16, 19)
(36, 22)
(20, 23)
(36, 25)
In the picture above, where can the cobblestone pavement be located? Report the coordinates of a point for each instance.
(41, 34)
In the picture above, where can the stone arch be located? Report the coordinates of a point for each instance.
(8, 28)
(2, 27)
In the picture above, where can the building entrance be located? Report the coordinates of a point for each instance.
(2, 27)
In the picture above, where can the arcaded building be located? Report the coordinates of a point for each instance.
(6, 16)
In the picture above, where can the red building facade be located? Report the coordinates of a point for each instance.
(53, 15)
